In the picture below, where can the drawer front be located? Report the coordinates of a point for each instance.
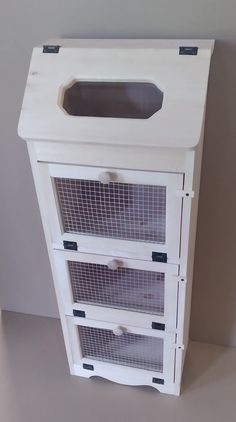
(128, 349)
(124, 290)
(98, 346)
(132, 213)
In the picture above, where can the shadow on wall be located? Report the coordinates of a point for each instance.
(214, 289)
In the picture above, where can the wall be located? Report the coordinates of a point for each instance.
(26, 284)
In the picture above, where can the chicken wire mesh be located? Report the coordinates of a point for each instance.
(114, 210)
(124, 288)
(132, 350)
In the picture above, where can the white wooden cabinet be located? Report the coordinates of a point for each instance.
(114, 130)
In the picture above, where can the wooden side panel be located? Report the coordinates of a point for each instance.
(189, 227)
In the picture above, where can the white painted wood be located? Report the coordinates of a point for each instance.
(118, 331)
(126, 262)
(103, 313)
(164, 149)
(125, 376)
(182, 79)
(40, 194)
(114, 264)
(133, 376)
(105, 177)
(94, 244)
(117, 248)
(193, 173)
(116, 175)
(125, 157)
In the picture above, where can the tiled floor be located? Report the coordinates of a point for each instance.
(35, 385)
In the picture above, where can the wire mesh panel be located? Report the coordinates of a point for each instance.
(114, 210)
(128, 349)
(124, 288)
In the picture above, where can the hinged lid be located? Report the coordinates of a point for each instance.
(118, 92)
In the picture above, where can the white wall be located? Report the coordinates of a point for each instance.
(26, 284)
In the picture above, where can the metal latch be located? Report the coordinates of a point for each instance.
(78, 313)
(72, 246)
(54, 49)
(88, 366)
(158, 326)
(159, 257)
(188, 51)
(158, 381)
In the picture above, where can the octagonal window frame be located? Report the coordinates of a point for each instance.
(124, 111)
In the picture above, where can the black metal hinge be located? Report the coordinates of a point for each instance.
(159, 257)
(80, 314)
(87, 366)
(188, 51)
(158, 381)
(158, 326)
(53, 49)
(72, 246)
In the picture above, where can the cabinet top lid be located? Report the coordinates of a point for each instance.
(119, 92)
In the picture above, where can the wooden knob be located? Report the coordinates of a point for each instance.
(118, 331)
(114, 264)
(105, 177)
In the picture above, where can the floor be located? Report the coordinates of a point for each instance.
(35, 384)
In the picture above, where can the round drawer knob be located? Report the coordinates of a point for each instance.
(114, 264)
(118, 331)
(105, 177)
